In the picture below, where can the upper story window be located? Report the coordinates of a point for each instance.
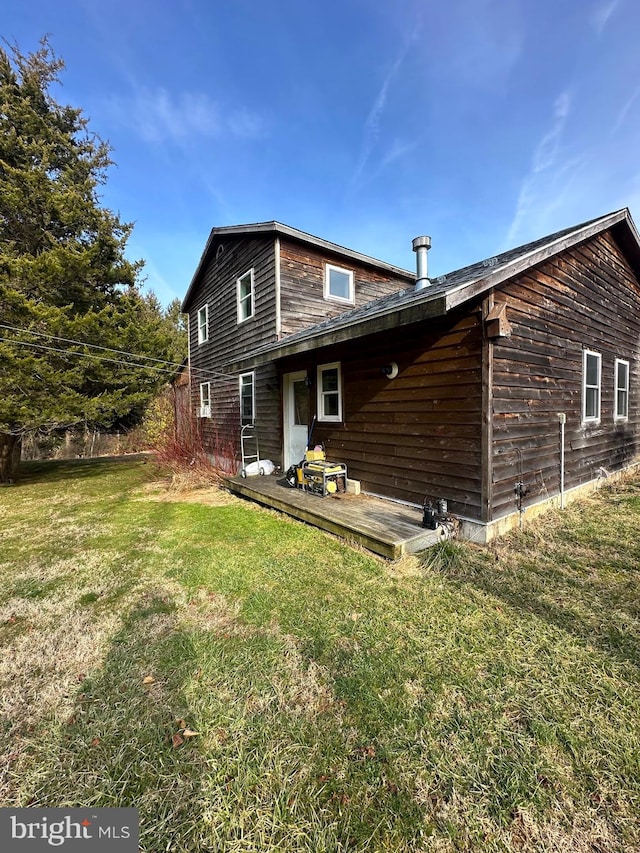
(329, 392)
(246, 297)
(591, 385)
(338, 284)
(247, 399)
(205, 400)
(203, 324)
(622, 389)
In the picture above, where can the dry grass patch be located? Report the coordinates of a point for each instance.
(206, 495)
(466, 699)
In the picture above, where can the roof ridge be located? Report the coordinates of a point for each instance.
(529, 246)
(459, 285)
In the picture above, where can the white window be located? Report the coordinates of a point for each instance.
(329, 392)
(203, 324)
(338, 284)
(247, 399)
(246, 306)
(622, 389)
(205, 399)
(591, 383)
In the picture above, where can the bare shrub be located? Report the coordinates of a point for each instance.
(193, 461)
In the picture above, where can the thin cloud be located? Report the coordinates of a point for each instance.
(539, 188)
(372, 126)
(622, 115)
(546, 151)
(398, 150)
(160, 116)
(601, 13)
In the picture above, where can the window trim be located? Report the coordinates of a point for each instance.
(327, 279)
(203, 338)
(322, 418)
(252, 374)
(251, 295)
(205, 407)
(591, 419)
(616, 389)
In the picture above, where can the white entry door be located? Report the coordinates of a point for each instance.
(295, 417)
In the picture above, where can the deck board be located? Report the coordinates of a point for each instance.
(384, 527)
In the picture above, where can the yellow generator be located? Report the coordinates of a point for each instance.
(314, 474)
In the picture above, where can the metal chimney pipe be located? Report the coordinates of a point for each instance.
(421, 246)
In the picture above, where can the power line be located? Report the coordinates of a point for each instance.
(67, 352)
(85, 355)
(83, 343)
(173, 364)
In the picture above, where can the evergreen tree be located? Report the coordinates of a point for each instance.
(63, 270)
(178, 325)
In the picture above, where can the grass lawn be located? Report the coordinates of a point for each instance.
(464, 700)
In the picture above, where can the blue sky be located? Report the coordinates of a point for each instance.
(483, 123)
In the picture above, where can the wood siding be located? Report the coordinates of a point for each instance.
(228, 339)
(221, 432)
(466, 418)
(302, 270)
(586, 298)
(302, 304)
(419, 435)
(269, 413)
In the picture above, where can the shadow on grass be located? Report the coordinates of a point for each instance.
(32, 588)
(274, 768)
(56, 470)
(123, 744)
(574, 596)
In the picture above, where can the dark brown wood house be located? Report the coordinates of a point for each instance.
(498, 387)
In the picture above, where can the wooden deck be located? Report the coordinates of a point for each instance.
(384, 527)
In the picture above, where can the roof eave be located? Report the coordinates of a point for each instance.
(431, 306)
(196, 275)
(414, 312)
(462, 293)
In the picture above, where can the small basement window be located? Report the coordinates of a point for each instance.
(622, 390)
(247, 399)
(245, 297)
(205, 400)
(329, 392)
(591, 384)
(203, 324)
(338, 284)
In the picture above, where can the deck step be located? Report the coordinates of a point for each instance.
(384, 527)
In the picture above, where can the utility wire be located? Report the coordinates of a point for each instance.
(174, 364)
(99, 357)
(85, 355)
(83, 343)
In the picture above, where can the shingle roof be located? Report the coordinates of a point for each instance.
(444, 292)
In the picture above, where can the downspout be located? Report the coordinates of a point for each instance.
(562, 417)
(486, 470)
(189, 349)
(190, 412)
